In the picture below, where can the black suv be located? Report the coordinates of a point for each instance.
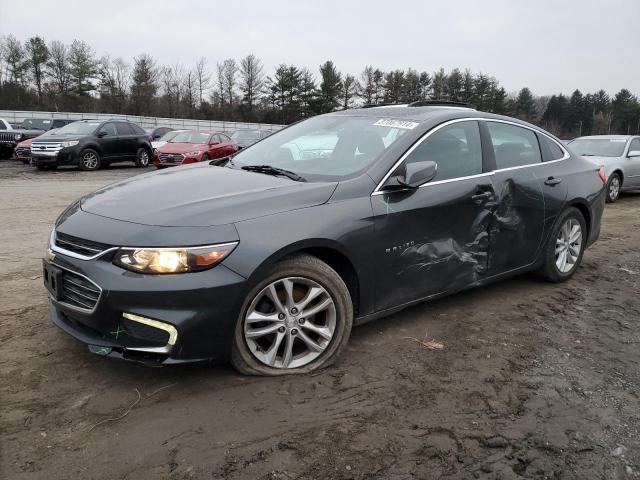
(29, 128)
(91, 144)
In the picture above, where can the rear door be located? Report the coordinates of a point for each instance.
(434, 239)
(128, 140)
(108, 140)
(518, 218)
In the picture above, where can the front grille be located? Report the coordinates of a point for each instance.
(78, 291)
(87, 248)
(7, 137)
(23, 152)
(145, 332)
(171, 157)
(46, 148)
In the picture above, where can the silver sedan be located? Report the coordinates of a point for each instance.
(618, 154)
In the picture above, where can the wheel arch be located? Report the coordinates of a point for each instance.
(330, 252)
(583, 208)
(620, 173)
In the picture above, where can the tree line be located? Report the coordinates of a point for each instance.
(36, 75)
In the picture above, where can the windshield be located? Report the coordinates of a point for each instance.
(245, 135)
(35, 124)
(599, 147)
(78, 128)
(326, 148)
(190, 137)
(168, 136)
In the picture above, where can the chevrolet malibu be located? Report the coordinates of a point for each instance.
(269, 260)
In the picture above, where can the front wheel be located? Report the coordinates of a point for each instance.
(613, 188)
(142, 158)
(296, 320)
(565, 247)
(89, 160)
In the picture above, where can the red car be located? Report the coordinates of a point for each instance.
(192, 146)
(23, 151)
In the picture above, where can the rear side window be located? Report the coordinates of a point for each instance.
(124, 128)
(139, 130)
(513, 146)
(550, 149)
(456, 149)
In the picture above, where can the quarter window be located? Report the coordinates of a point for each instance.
(635, 145)
(553, 150)
(513, 146)
(456, 149)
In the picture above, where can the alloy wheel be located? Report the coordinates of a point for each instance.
(144, 158)
(614, 188)
(90, 160)
(290, 322)
(568, 245)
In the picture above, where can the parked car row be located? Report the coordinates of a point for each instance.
(91, 144)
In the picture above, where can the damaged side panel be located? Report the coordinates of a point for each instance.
(433, 239)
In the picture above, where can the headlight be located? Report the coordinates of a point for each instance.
(17, 136)
(193, 154)
(70, 143)
(172, 260)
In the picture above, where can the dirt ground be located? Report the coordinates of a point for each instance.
(533, 381)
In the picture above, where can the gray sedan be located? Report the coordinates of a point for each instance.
(618, 154)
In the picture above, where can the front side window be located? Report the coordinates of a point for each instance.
(513, 146)
(456, 149)
(635, 145)
(327, 148)
(110, 128)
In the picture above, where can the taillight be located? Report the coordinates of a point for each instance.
(602, 175)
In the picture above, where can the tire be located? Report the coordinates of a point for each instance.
(89, 160)
(142, 158)
(613, 187)
(550, 270)
(303, 271)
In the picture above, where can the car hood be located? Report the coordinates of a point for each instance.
(59, 138)
(181, 147)
(25, 143)
(202, 195)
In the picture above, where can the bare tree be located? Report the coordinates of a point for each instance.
(251, 80)
(114, 81)
(38, 56)
(229, 77)
(15, 57)
(190, 84)
(203, 78)
(58, 70)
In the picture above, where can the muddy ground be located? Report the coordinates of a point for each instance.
(533, 381)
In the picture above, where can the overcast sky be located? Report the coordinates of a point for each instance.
(550, 46)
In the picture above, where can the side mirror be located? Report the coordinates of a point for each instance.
(633, 153)
(157, 137)
(418, 173)
(102, 133)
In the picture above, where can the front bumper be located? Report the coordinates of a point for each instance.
(201, 307)
(66, 156)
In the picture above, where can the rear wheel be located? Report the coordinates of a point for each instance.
(613, 187)
(565, 247)
(142, 158)
(297, 319)
(89, 159)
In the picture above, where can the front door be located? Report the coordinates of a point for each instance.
(109, 141)
(434, 239)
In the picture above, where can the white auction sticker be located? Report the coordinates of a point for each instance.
(389, 122)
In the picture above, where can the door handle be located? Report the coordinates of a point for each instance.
(551, 181)
(479, 197)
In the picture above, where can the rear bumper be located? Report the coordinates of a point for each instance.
(597, 209)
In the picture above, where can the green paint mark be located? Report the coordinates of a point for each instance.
(104, 351)
(385, 202)
(117, 332)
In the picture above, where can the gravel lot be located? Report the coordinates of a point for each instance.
(533, 380)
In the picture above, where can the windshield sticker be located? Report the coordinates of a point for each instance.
(388, 122)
